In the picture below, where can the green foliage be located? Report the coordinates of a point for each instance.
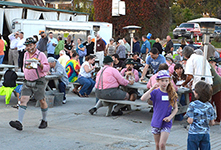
(180, 15)
(216, 44)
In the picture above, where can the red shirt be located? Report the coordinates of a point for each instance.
(100, 45)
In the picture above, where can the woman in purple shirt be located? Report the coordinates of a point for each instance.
(162, 99)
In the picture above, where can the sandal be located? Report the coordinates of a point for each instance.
(75, 92)
(80, 95)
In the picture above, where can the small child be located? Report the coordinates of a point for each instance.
(200, 115)
(163, 99)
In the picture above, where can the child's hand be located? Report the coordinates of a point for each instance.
(167, 119)
(156, 85)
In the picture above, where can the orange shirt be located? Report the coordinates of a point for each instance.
(2, 45)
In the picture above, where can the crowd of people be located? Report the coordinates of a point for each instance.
(75, 62)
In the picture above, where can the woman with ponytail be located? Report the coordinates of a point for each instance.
(164, 101)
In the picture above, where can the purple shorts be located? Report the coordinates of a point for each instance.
(159, 130)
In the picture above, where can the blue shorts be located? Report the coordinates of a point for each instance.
(159, 130)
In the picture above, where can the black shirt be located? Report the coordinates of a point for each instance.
(169, 46)
(158, 46)
(68, 45)
(42, 44)
(120, 64)
(90, 48)
(182, 46)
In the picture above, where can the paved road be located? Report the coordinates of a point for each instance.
(71, 127)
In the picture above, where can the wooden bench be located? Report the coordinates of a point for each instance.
(181, 109)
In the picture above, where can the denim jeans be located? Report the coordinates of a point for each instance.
(196, 141)
(81, 60)
(88, 84)
(62, 88)
(1, 58)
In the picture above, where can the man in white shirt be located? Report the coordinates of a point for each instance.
(13, 53)
(194, 67)
(21, 50)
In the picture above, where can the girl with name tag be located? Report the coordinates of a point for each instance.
(163, 97)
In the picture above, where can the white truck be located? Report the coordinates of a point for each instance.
(63, 28)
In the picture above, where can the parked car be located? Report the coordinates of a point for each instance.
(217, 31)
(188, 30)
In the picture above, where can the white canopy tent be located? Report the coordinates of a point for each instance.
(1, 20)
(11, 14)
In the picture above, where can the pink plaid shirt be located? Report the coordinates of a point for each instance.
(31, 74)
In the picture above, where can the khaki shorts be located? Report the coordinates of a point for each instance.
(38, 90)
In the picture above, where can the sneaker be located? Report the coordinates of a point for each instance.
(16, 124)
(15, 106)
(43, 124)
(119, 113)
(64, 101)
(92, 110)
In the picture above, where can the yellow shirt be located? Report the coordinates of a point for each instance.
(63, 60)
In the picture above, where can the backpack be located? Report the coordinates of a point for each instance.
(10, 78)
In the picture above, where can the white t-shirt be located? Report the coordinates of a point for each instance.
(83, 72)
(194, 66)
(20, 45)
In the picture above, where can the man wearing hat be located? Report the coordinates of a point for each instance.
(107, 85)
(35, 69)
(42, 44)
(57, 69)
(130, 73)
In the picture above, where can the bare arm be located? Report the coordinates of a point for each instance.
(212, 122)
(175, 109)
(144, 71)
(147, 95)
(87, 69)
(189, 77)
(147, 50)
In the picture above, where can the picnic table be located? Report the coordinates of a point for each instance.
(6, 66)
(21, 76)
(137, 85)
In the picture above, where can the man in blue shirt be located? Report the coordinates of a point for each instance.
(52, 42)
(145, 48)
(57, 69)
(153, 60)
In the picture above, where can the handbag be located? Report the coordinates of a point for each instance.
(82, 53)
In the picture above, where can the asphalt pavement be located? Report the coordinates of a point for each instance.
(71, 127)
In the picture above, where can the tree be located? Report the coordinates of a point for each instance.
(152, 15)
